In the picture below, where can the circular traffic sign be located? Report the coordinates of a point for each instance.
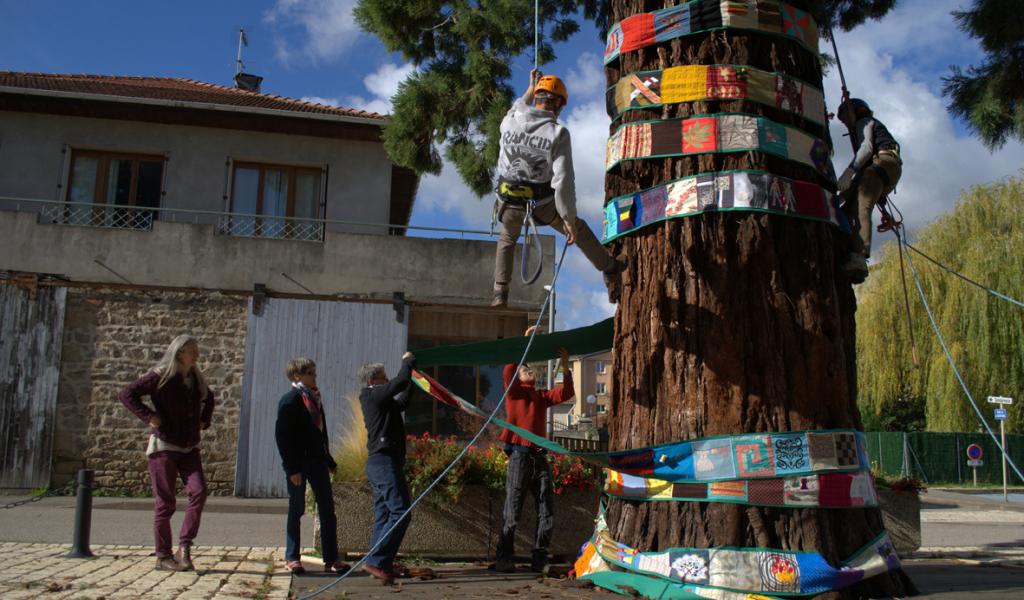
(974, 452)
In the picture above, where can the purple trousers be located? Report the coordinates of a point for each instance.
(164, 470)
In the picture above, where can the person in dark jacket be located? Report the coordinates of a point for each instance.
(383, 400)
(302, 441)
(182, 406)
(873, 174)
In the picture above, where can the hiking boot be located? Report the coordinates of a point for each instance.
(167, 563)
(856, 268)
(500, 299)
(613, 280)
(399, 571)
(184, 558)
(386, 577)
(539, 563)
(504, 565)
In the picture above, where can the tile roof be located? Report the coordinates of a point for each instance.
(173, 89)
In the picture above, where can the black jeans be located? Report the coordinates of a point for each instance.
(315, 473)
(527, 472)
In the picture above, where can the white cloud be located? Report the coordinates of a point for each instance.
(587, 78)
(325, 28)
(881, 67)
(381, 86)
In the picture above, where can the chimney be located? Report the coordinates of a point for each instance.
(248, 82)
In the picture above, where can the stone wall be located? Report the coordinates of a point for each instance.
(112, 337)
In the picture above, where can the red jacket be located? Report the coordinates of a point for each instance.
(527, 407)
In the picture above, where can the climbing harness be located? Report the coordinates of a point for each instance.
(497, 408)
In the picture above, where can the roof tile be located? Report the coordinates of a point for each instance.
(171, 88)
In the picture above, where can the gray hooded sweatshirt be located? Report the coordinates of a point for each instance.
(536, 149)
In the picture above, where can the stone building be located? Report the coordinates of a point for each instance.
(133, 209)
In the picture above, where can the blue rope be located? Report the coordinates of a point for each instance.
(498, 407)
(965, 278)
(949, 357)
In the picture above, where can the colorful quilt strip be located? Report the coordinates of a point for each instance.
(723, 191)
(690, 83)
(705, 572)
(704, 134)
(710, 459)
(827, 490)
(699, 16)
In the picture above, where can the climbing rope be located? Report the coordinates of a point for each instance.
(501, 403)
(981, 286)
(530, 239)
(956, 372)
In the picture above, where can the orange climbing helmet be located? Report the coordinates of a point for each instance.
(553, 85)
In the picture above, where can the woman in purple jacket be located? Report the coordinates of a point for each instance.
(182, 405)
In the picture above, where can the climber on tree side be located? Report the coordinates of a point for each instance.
(872, 175)
(535, 166)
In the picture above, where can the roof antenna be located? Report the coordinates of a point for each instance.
(243, 80)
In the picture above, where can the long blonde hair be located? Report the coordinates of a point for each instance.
(170, 365)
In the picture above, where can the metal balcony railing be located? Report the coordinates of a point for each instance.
(55, 212)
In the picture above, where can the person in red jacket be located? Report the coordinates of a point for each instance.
(528, 468)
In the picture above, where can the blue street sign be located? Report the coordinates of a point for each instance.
(1000, 414)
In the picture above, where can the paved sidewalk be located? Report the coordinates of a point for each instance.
(119, 571)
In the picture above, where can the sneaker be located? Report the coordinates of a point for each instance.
(500, 299)
(505, 565)
(856, 267)
(184, 558)
(295, 567)
(337, 566)
(167, 563)
(399, 570)
(613, 280)
(385, 576)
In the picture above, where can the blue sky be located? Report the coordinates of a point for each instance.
(312, 49)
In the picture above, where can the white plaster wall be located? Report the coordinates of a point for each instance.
(32, 161)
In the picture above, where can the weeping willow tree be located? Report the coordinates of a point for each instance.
(983, 238)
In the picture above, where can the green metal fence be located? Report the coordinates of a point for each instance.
(938, 458)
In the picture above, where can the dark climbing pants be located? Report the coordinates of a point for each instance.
(861, 200)
(527, 472)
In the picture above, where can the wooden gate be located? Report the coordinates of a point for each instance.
(340, 337)
(31, 333)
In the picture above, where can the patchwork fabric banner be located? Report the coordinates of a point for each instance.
(704, 134)
(706, 572)
(711, 459)
(699, 16)
(828, 490)
(723, 191)
(649, 89)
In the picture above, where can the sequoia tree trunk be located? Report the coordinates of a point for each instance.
(732, 323)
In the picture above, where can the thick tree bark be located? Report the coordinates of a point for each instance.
(732, 323)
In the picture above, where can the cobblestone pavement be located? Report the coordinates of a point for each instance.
(121, 571)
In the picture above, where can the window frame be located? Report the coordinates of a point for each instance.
(103, 172)
(102, 186)
(600, 367)
(293, 172)
(601, 388)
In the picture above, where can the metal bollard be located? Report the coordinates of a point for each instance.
(83, 516)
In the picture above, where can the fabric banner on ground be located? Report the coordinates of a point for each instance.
(582, 340)
(707, 572)
(704, 134)
(711, 459)
(700, 16)
(755, 191)
(650, 89)
(828, 490)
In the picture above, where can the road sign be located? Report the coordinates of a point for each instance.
(1000, 414)
(974, 452)
(975, 463)
(1000, 400)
